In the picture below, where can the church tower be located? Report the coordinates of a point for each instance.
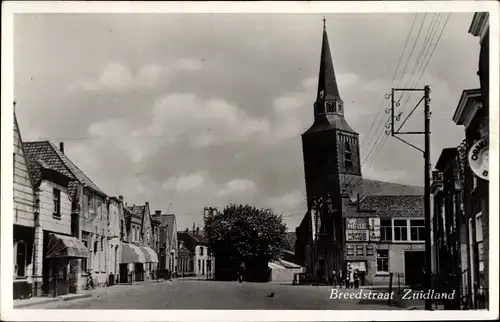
(331, 165)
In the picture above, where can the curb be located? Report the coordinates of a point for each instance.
(53, 300)
(77, 297)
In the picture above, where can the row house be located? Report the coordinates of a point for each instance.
(168, 251)
(461, 193)
(139, 260)
(67, 205)
(196, 259)
(26, 225)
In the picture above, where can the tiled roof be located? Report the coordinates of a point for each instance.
(41, 155)
(47, 154)
(394, 206)
(168, 221)
(381, 188)
(191, 240)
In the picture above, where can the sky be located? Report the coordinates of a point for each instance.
(188, 111)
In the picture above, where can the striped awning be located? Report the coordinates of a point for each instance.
(149, 254)
(132, 254)
(63, 246)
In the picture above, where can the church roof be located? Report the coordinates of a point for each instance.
(330, 122)
(327, 80)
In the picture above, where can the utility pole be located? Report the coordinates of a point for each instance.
(427, 168)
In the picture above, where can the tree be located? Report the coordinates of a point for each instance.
(245, 234)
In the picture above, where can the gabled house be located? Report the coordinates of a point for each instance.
(168, 244)
(200, 262)
(139, 261)
(58, 182)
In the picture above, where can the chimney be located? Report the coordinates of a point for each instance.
(194, 228)
(120, 197)
(197, 230)
(158, 212)
(61, 146)
(187, 230)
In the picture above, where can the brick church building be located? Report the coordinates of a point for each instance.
(335, 189)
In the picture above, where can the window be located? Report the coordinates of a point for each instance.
(91, 204)
(121, 228)
(382, 261)
(199, 265)
(85, 240)
(417, 229)
(56, 196)
(386, 230)
(400, 230)
(201, 251)
(20, 251)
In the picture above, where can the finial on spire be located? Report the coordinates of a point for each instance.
(324, 23)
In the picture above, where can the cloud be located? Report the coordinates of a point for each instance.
(238, 187)
(187, 183)
(188, 64)
(117, 78)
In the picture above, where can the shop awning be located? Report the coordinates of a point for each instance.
(62, 246)
(132, 254)
(150, 254)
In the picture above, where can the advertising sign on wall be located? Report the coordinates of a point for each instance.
(374, 224)
(357, 235)
(479, 158)
(356, 223)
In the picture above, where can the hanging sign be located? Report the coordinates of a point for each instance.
(478, 158)
(374, 224)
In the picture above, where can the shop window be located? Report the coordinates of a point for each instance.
(400, 230)
(382, 261)
(56, 197)
(386, 230)
(417, 229)
(20, 256)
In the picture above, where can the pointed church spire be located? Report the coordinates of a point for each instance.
(327, 83)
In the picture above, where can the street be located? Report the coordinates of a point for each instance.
(202, 294)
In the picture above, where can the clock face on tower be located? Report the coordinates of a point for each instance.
(330, 107)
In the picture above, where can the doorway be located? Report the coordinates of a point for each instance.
(414, 263)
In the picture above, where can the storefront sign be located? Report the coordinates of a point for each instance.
(374, 224)
(478, 158)
(356, 223)
(357, 235)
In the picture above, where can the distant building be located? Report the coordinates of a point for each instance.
(200, 262)
(139, 260)
(168, 245)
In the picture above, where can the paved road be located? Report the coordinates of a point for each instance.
(201, 294)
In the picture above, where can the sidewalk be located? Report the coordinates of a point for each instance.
(35, 301)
